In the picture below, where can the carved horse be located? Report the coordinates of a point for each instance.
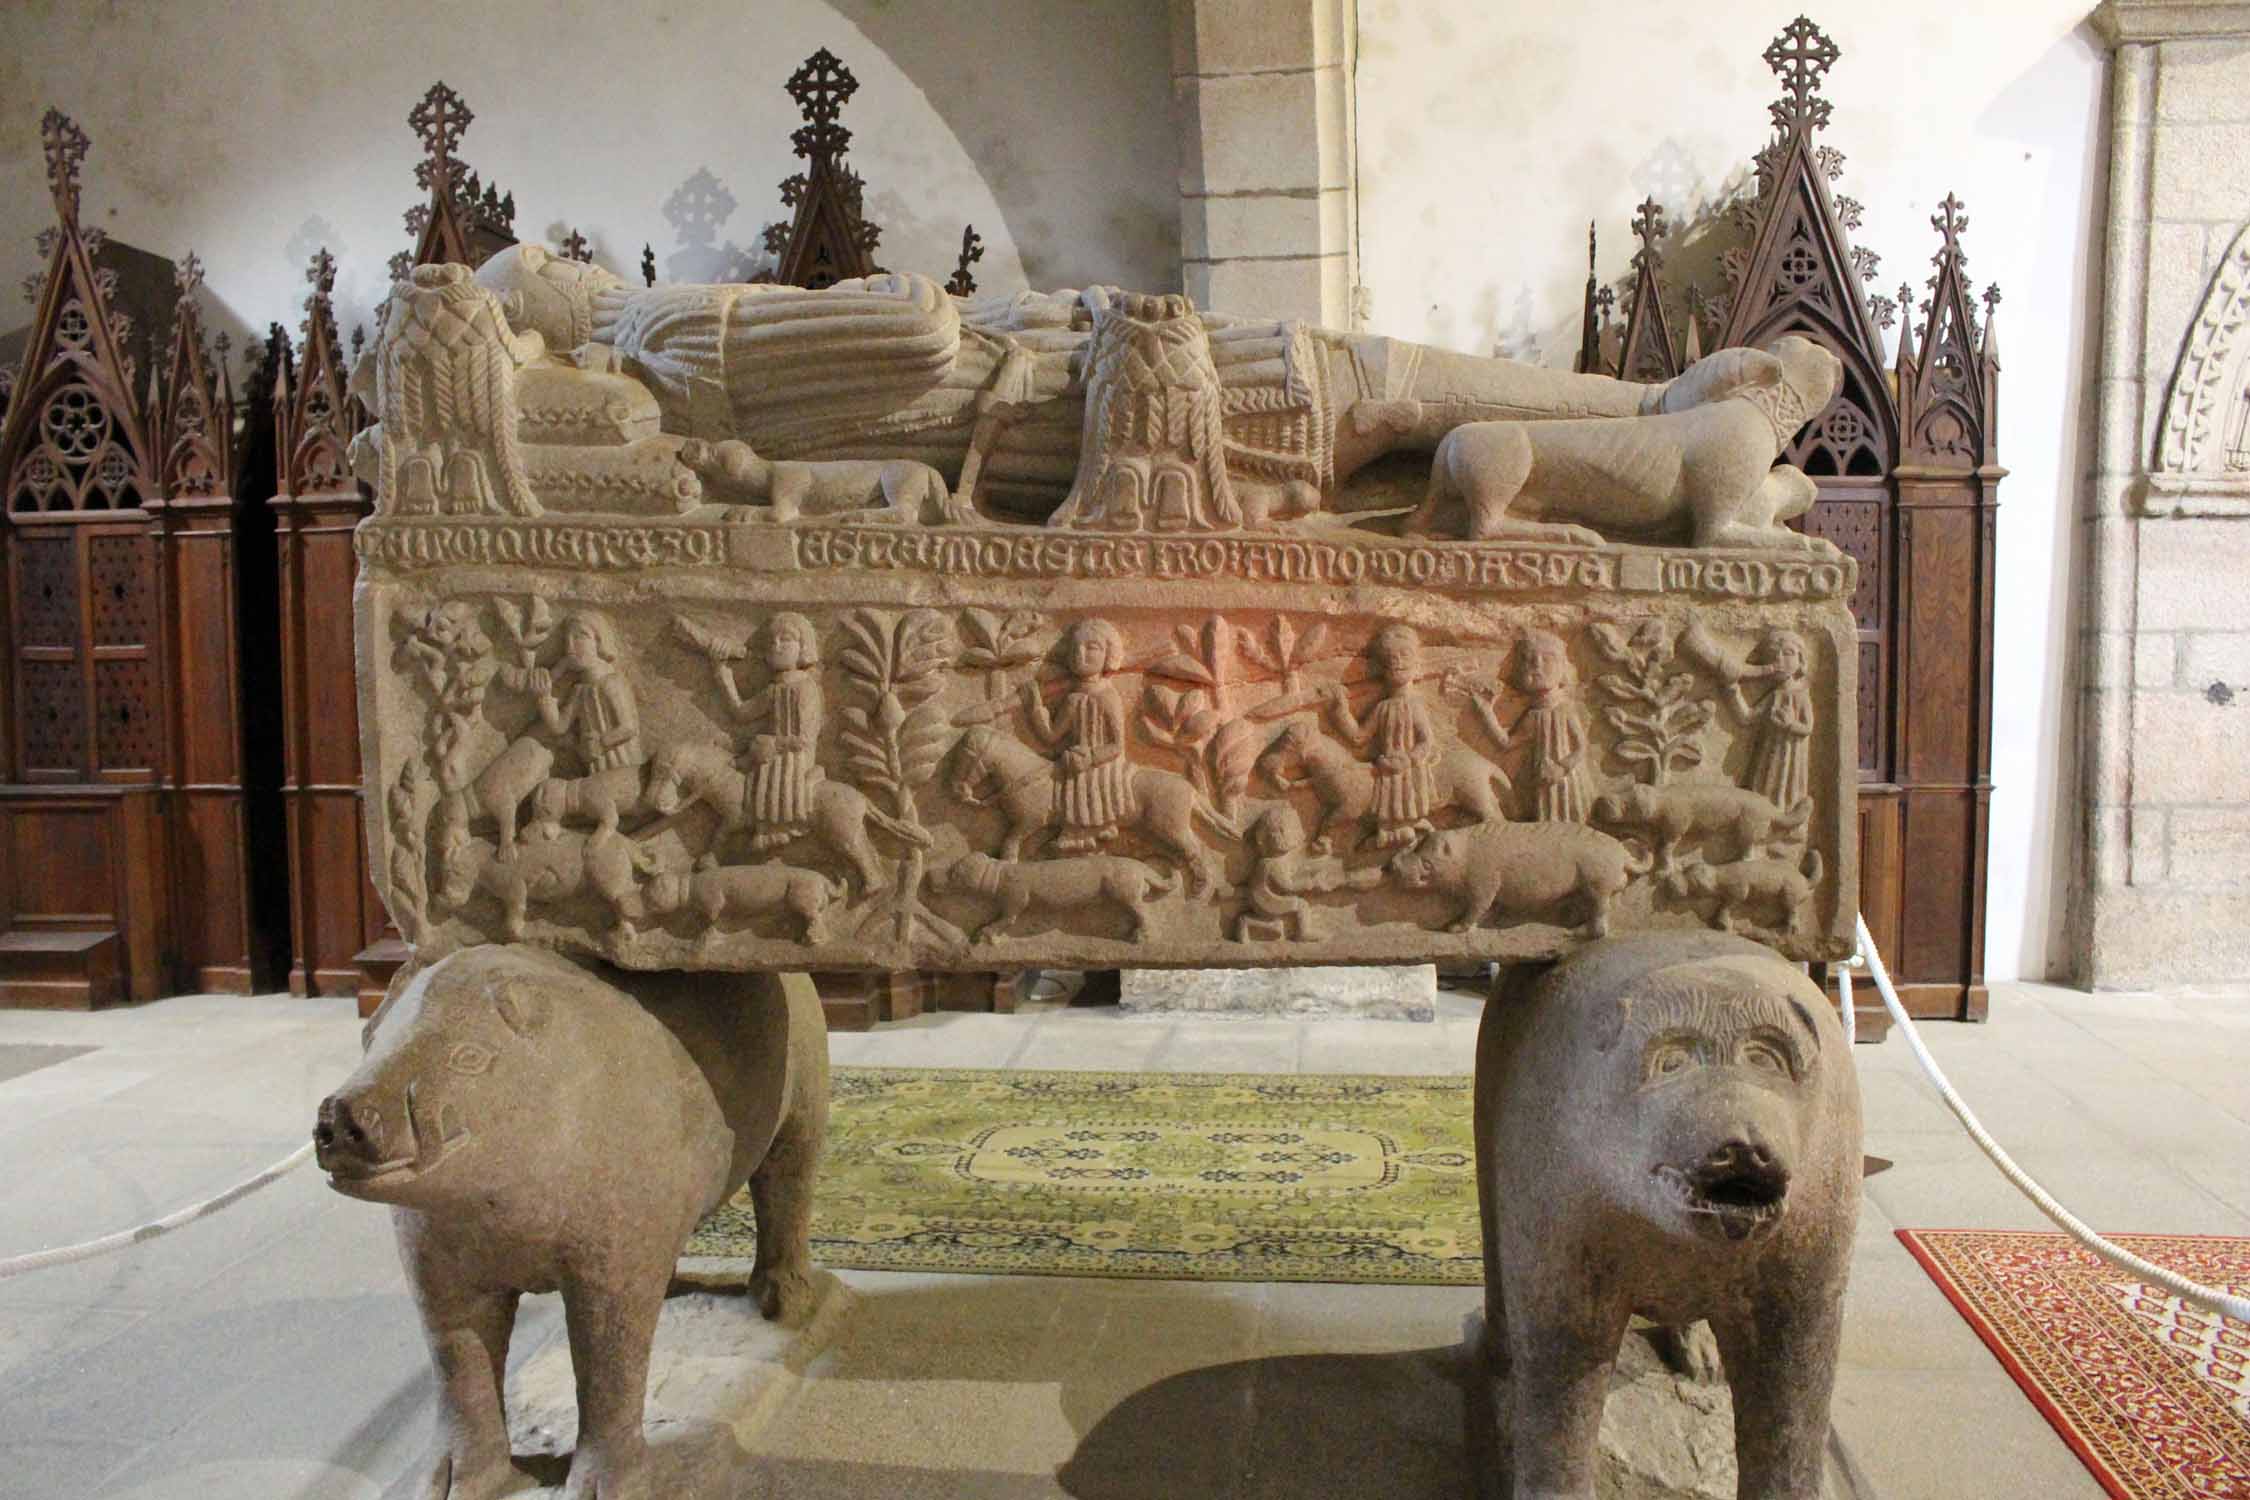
(1344, 785)
(682, 775)
(991, 768)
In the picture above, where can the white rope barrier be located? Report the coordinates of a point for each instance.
(2210, 1299)
(65, 1254)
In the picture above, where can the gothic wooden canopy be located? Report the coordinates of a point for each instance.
(75, 439)
(1798, 272)
(465, 220)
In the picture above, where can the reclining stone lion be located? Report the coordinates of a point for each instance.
(1704, 475)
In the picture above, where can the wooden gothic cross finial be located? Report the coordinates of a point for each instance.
(1589, 334)
(648, 264)
(575, 247)
(1952, 221)
(321, 274)
(440, 119)
(827, 238)
(65, 144)
(1648, 223)
(188, 274)
(1800, 57)
(822, 85)
(963, 282)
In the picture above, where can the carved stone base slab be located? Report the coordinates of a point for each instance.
(1401, 992)
(744, 745)
(1665, 1436)
(717, 1372)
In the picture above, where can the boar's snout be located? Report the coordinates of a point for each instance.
(1738, 1189)
(346, 1135)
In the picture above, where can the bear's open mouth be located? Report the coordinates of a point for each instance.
(1738, 1199)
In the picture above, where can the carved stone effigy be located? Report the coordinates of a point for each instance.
(747, 627)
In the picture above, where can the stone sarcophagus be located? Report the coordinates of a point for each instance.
(753, 628)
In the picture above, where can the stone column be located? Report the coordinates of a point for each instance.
(2165, 724)
(1269, 202)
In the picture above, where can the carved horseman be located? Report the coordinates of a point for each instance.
(597, 713)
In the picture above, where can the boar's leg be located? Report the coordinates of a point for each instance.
(1562, 1342)
(1486, 1129)
(781, 1191)
(468, 1331)
(1780, 1359)
(610, 1312)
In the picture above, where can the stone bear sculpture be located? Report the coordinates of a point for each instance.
(540, 1126)
(1704, 475)
(1667, 1126)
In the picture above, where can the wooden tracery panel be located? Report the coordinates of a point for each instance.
(334, 910)
(86, 757)
(1906, 465)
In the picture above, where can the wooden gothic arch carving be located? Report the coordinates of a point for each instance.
(1905, 459)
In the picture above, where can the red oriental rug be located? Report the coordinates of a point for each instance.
(2152, 1394)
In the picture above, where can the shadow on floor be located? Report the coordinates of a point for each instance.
(1300, 1425)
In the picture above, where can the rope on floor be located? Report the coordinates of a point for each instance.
(65, 1254)
(2210, 1299)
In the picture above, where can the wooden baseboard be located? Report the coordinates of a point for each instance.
(305, 982)
(224, 979)
(376, 964)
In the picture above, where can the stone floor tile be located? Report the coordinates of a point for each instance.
(1302, 1317)
(1359, 1423)
(951, 1039)
(1381, 1047)
(76, 1199)
(1939, 1433)
(1242, 1046)
(1091, 1041)
(44, 1466)
(33, 1340)
(1896, 1318)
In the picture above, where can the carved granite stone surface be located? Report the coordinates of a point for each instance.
(1074, 630)
(537, 1125)
(1666, 1127)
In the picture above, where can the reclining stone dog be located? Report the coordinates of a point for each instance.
(1704, 475)
(1669, 1127)
(537, 1125)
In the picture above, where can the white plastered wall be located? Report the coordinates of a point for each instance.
(255, 131)
(1490, 135)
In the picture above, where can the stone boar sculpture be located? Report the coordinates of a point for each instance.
(538, 1126)
(1666, 1126)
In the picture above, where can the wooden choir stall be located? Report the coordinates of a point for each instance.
(1908, 470)
(128, 796)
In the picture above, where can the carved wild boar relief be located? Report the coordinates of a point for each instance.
(849, 744)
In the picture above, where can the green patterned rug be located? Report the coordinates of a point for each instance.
(1200, 1176)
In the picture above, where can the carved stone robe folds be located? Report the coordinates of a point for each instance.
(1094, 800)
(785, 776)
(603, 721)
(1779, 763)
(1399, 727)
(1555, 764)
